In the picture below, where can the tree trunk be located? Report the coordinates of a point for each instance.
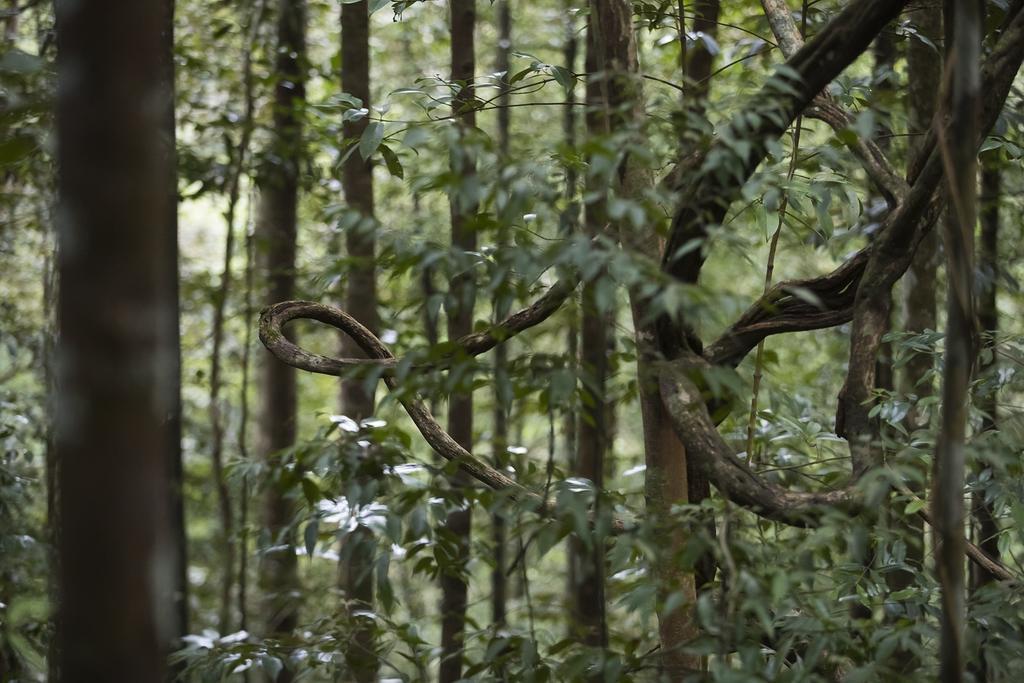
(276, 231)
(117, 410)
(666, 481)
(502, 382)
(697, 71)
(948, 496)
(924, 66)
(461, 297)
(357, 399)
(986, 524)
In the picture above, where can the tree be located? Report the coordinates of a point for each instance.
(461, 297)
(502, 382)
(116, 434)
(859, 289)
(357, 399)
(948, 498)
(276, 231)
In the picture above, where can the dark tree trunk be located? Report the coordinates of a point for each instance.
(276, 231)
(502, 382)
(586, 555)
(357, 399)
(117, 411)
(947, 496)
(461, 297)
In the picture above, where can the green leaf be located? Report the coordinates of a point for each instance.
(392, 162)
(16, 148)
(564, 77)
(310, 536)
(914, 506)
(371, 139)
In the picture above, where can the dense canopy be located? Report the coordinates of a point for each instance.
(520, 341)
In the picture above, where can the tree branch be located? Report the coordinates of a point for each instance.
(880, 170)
(727, 166)
(735, 480)
(273, 318)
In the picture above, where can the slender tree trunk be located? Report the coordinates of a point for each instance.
(243, 428)
(924, 67)
(571, 216)
(502, 382)
(276, 231)
(238, 155)
(586, 554)
(357, 399)
(948, 497)
(986, 524)
(454, 588)
(118, 348)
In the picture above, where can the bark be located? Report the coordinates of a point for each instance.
(502, 382)
(586, 555)
(948, 498)
(924, 67)
(699, 62)
(461, 296)
(116, 414)
(276, 231)
(571, 216)
(666, 483)
(357, 398)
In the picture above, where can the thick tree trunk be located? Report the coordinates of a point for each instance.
(454, 588)
(357, 399)
(276, 231)
(948, 496)
(117, 410)
(666, 481)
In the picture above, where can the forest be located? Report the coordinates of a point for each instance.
(494, 340)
